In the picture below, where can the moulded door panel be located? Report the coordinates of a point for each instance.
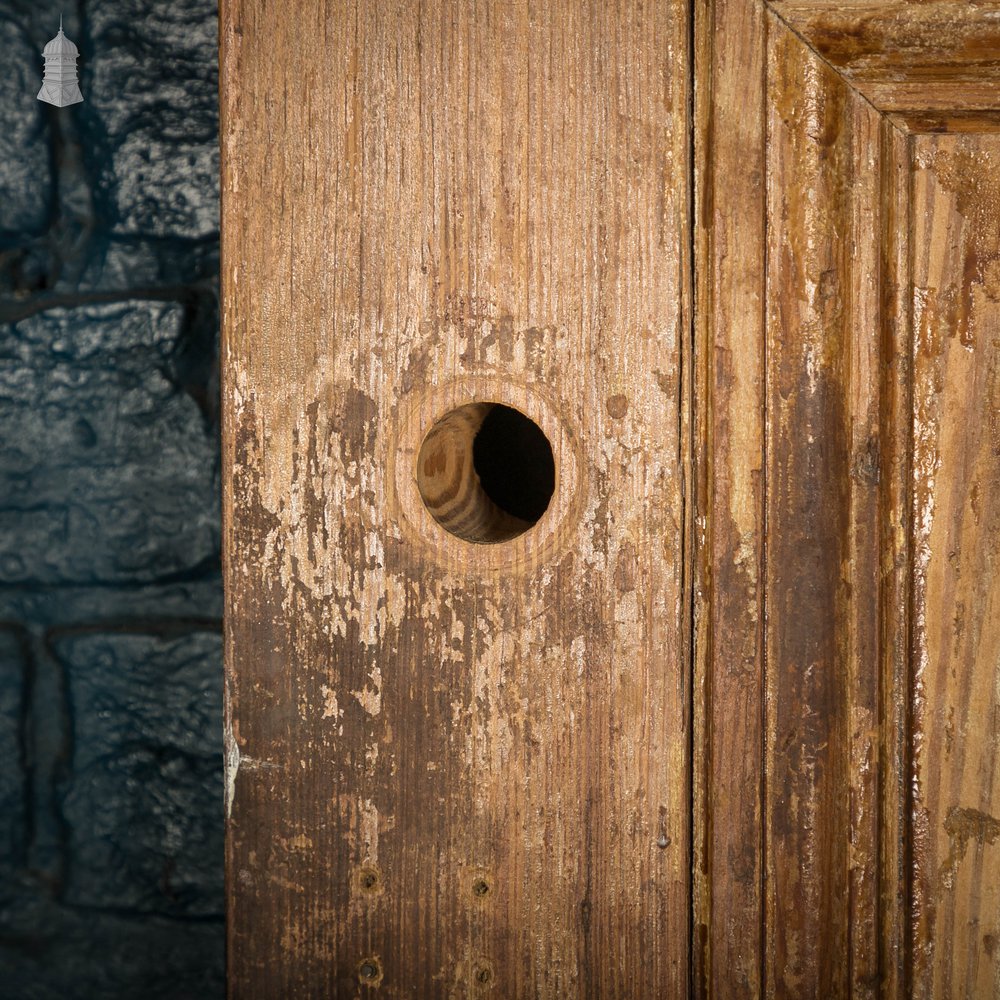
(847, 699)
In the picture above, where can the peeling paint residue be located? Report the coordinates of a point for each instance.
(231, 760)
(368, 819)
(429, 707)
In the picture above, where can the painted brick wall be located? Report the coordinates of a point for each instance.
(111, 830)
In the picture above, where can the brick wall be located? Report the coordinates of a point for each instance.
(110, 593)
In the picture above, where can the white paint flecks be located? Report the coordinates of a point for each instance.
(368, 814)
(231, 758)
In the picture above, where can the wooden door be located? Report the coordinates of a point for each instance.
(847, 701)
(612, 452)
(460, 763)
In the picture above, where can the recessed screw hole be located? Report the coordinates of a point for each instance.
(368, 879)
(369, 970)
(480, 887)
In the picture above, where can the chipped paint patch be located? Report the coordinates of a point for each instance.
(370, 698)
(331, 710)
(368, 820)
(231, 752)
(231, 765)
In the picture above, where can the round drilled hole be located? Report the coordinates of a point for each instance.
(486, 472)
(370, 972)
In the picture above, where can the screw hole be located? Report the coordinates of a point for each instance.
(486, 472)
(367, 879)
(480, 887)
(369, 971)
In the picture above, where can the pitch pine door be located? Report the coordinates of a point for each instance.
(612, 498)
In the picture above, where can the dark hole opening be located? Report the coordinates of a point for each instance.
(514, 462)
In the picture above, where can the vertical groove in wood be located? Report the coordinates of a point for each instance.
(426, 205)
(862, 251)
(822, 558)
(730, 180)
(895, 534)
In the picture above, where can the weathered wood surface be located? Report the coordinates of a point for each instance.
(456, 768)
(822, 858)
(724, 722)
(821, 551)
(730, 181)
(906, 55)
(956, 561)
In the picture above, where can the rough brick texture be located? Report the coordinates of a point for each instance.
(108, 469)
(25, 178)
(111, 825)
(13, 775)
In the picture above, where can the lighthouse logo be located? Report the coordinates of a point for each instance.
(59, 85)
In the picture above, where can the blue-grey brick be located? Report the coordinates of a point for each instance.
(107, 464)
(153, 86)
(123, 262)
(54, 952)
(13, 779)
(197, 598)
(25, 175)
(143, 804)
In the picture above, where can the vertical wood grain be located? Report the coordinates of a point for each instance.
(895, 542)
(822, 683)
(956, 556)
(730, 276)
(861, 641)
(456, 769)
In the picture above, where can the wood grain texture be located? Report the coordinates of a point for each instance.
(822, 739)
(456, 769)
(956, 557)
(905, 56)
(947, 121)
(791, 753)
(730, 267)
(725, 720)
(450, 486)
(895, 543)
(851, 872)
